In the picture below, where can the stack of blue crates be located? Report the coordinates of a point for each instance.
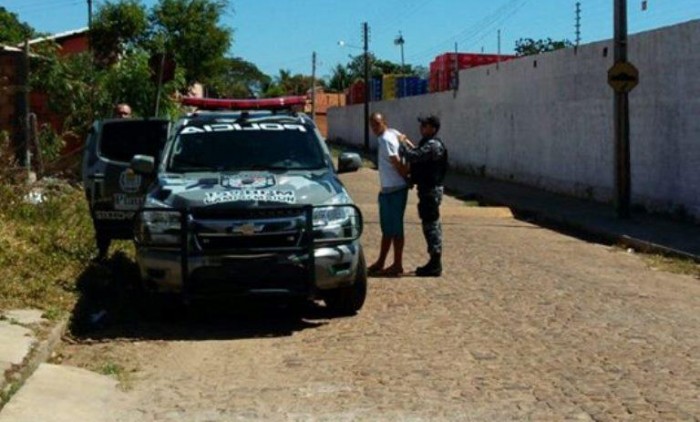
(408, 86)
(423, 88)
(375, 89)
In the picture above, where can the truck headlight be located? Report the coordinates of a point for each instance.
(337, 223)
(158, 227)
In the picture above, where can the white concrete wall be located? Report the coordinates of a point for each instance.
(550, 125)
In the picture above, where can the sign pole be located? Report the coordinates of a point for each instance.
(25, 110)
(622, 119)
(313, 86)
(365, 38)
(160, 84)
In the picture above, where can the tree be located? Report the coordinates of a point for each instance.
(72, 85)
(529, 47)
(340, 78)
(117, 27)
(273, 90)
(190, 29)
(421, 71)
(240, 79)
(129, 81)
(12, 30)
(82, 92)
(378, 67)
(386, 67)
(356, 66)
(287, 84)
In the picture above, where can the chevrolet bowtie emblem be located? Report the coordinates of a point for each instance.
(247, 229)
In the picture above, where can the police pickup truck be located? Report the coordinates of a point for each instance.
(249, 203)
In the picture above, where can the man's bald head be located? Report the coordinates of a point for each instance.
(122, 111)
(378, 123)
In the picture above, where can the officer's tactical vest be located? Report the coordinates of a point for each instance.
(430, 173)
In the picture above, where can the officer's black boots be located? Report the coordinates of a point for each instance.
(432, 269)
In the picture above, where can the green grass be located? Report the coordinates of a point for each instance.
(469, 203)
(52, 313)
(43, 247)
(111, 369)
(7, 394)
(673, 265)
(121, 374)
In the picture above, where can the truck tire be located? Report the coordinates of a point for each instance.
(346, 301)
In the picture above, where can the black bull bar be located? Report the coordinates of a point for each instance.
(310, 236)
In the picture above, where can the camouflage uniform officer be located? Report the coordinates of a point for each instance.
(428, 168)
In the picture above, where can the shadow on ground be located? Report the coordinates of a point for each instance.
(112, 305)
(533, 218)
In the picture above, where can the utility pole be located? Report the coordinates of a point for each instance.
(400, 42)
(455, 79)
(623, 191)
(159, 91)
(25, 111)
(498, 58)
(89, 3)
(313, 86)
(365, 38)
(578, 23)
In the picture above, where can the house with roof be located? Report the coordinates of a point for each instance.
(12, 82)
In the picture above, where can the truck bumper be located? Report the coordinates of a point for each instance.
(266, 273)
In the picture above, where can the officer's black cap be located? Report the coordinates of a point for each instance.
(431, 120)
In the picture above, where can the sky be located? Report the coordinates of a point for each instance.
(282, 34)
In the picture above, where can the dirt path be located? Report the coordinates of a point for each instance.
(526, 324)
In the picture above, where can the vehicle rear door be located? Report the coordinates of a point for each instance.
(119, 192)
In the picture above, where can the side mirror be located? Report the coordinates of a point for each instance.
(143, 164)
(349, 162)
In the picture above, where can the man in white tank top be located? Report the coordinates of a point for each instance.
(392, 197)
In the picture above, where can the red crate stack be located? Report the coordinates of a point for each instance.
(356, 93)
(442, 69)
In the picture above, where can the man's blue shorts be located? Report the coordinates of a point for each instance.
(391, 210)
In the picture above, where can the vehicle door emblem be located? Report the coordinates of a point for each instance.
(129, 181)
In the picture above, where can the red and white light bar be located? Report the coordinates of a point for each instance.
(278, 103)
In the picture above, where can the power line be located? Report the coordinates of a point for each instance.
(497, 22)
(474, 29)
(406, 12)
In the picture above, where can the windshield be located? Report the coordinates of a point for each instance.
(264, 146)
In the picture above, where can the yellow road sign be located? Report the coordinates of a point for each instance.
(623, 77)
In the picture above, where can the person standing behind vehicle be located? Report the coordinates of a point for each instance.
(392, 197)
(428, 161)
(122, 111)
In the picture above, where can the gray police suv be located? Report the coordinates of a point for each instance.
(249, 203)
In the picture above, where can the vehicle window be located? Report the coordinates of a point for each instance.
(120, 141)
(250, 147)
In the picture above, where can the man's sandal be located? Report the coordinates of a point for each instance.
(374, 270)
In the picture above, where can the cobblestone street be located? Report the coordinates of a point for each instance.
(525, 324)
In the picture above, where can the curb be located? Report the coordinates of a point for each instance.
(38, 355)
(589, 231)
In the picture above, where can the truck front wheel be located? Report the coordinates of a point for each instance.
(346, 301)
